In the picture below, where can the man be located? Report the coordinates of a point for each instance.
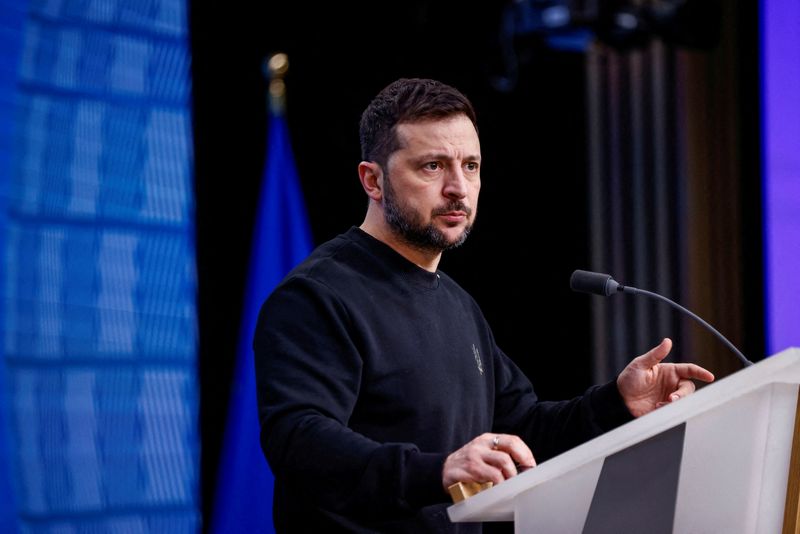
(379, 380)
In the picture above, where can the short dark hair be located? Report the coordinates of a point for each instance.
(407, 100)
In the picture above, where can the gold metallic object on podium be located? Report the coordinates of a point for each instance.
(464, 490)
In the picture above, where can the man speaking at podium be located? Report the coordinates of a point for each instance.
(379, 381)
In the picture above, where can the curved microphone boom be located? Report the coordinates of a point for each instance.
(605, 286)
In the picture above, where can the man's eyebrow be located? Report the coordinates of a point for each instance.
(436, 156)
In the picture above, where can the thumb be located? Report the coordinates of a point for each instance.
(654, 356)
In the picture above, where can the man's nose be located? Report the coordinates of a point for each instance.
(455, 184)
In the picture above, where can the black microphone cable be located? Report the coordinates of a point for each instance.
(605, 286)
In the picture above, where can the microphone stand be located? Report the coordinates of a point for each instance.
(637, 291)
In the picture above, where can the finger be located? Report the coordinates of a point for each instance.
(479, 472)
(502, 462)
(468, 464)
(516, 448)
(486, 472)
(690, 370)
(481, 460)
(654, 356)
(685, 387)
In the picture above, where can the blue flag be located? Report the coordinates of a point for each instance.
(281, 240)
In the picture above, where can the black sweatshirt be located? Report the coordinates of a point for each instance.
(370, 371)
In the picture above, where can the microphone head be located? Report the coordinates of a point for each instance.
(594, 283)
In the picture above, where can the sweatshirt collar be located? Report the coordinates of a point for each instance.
(394, 260)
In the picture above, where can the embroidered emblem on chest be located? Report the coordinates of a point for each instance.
(478, 361)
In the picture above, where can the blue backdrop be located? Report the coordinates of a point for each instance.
(780, 112)
(98, 310)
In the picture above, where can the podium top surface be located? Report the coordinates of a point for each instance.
(497, 503)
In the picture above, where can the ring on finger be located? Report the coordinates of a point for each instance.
(496, 442)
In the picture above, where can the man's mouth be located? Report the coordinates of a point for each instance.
(454, 209)
(453, 216)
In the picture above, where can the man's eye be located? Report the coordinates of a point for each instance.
(433, 165)
(472, 166)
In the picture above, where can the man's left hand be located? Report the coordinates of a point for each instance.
(646, 383)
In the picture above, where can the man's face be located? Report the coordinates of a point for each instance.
(431, 184)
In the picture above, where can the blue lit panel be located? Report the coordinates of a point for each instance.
(99, 332)
(780, 82)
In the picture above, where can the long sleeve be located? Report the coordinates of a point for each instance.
(552, 427)
(309, 372)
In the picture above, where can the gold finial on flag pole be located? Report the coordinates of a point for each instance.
(275, 69)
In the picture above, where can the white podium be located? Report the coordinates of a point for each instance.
(725, 459)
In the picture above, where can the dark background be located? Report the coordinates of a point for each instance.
(532, 229)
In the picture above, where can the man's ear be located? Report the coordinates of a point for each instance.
(371, 176)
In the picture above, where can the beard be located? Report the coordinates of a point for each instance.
(408, 223)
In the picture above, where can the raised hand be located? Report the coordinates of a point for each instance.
(646, 383)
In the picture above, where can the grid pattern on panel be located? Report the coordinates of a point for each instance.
(99, 333)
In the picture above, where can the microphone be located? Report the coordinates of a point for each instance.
(605, 286)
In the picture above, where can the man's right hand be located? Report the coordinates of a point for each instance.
(487, 458)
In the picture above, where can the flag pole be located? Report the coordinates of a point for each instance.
(281, 240)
